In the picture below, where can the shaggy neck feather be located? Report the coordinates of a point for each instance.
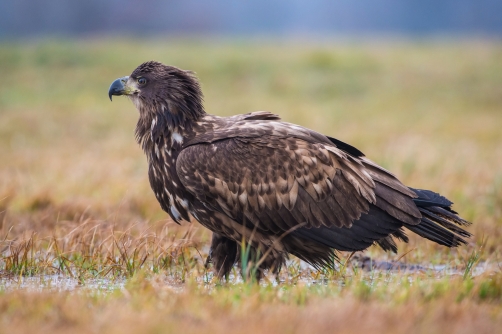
(167, 121)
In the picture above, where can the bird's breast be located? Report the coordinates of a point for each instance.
(168, 189)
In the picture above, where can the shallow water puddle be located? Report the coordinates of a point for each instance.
(66, 283)
(369, 264)
(59, 283)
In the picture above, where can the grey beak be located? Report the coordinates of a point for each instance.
(117, 87)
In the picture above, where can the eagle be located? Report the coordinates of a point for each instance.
(277, 187)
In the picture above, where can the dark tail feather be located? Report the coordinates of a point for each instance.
(428, 198)
(439, 222)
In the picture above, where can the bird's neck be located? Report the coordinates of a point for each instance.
(164, 129)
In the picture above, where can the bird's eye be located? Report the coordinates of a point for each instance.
(142, 81)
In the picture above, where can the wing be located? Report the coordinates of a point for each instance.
(278, 176)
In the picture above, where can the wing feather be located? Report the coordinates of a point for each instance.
(277, 176)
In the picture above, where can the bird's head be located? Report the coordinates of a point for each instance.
(160, 90)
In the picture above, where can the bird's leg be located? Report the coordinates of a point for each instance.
(223, 254)
(208, 261)
(258, 261)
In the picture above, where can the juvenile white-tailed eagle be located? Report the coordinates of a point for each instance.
(283, 188)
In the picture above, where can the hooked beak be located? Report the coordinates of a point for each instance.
(119, 87)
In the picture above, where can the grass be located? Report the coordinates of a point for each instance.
(76, 207)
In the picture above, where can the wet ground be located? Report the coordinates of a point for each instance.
(59, 283)
(105, 285)
(366, 263)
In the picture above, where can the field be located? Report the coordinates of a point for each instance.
(86, 248)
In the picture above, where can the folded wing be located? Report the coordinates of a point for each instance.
(277, 177)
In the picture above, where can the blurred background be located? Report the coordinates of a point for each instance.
(29, 18)
(416, 85)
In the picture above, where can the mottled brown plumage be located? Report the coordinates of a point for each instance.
(281, 187)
